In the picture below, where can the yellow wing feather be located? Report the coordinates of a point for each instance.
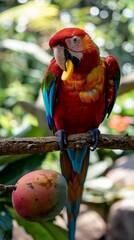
(94, 84)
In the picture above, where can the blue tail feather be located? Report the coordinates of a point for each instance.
(72, 227)
(73, 211)
(74, 208)
(74, 164)
(77, 156)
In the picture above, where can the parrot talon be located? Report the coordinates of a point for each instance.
(62, 139)
(95, 133)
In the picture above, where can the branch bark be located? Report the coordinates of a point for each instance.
(34, 145)
(8, 188)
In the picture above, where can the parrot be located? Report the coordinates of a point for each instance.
(79, 89)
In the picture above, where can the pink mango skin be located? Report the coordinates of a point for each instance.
(40, 195)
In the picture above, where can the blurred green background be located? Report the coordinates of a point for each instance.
(25, 29)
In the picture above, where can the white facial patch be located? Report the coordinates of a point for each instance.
(74, 46)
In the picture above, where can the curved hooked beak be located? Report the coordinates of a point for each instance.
(62, 54)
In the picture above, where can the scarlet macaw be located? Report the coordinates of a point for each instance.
(79, 89)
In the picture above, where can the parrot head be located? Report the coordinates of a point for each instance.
(76, 45)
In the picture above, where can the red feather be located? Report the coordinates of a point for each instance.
(81, 103)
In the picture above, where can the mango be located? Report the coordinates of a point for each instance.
(40, 195)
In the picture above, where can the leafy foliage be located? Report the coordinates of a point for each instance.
(40, 230)
(24, 55)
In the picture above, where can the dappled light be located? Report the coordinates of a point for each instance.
(26, 27)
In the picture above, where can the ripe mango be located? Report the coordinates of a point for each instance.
(40, 195)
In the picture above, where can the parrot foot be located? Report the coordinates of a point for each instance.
(95, 133)
(62, 138)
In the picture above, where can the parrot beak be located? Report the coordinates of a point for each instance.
(69, 67)
(60, 56)
(64, 61)
(67, 56)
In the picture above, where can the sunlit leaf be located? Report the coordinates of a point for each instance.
(32, 11)
(67, 4)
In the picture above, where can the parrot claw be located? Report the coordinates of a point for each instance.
(62, 139)
(95, 133)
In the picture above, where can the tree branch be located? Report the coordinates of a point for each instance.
(8, 188)
(34, 145)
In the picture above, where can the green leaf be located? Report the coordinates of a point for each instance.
(13, 171)
(35, 229)
(45, 10)
(5, 224)
(8, 159)
(39, 230)
(36, 14)
(67, 4)
(56, 231)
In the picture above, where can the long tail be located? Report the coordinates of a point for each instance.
(74, 165)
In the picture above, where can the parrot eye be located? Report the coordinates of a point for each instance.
(60, 44)
(74, 43)
(75, 40)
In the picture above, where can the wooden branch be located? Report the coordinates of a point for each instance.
(7, 188)
(34, 145)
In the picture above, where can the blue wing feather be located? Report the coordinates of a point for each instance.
(48, 92)
(51, 99)
(48, 97)
(49, 88)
